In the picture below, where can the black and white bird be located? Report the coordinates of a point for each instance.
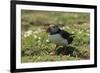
(58, 36)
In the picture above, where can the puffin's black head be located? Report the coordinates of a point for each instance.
(53, 29)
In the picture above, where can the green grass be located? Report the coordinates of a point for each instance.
(36, 46)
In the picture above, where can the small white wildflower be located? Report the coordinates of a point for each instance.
(39, 38)
(67, 27)
(27, 33)
(47, 41)
(72, 32)
(37, 31)
(35, 36)
(80, 32)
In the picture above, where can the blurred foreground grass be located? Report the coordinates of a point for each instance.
(35, 45)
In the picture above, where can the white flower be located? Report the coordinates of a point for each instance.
(67, 27)
(37, 31)
(80, 32)
(72, 32)
(39, 38)
(47, 41)
(27, 33)
(35, 36)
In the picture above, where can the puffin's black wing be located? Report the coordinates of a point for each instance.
(66, 35)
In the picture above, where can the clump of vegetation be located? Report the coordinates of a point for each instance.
(35, 45)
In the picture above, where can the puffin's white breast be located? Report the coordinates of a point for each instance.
(57, 39)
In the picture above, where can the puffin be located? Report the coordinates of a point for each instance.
(58, 36)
